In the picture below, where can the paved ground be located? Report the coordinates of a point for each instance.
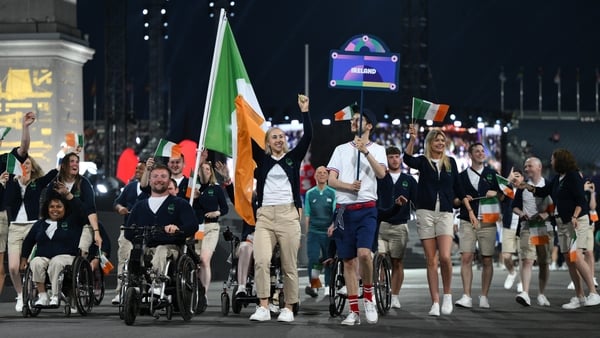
(506, 318)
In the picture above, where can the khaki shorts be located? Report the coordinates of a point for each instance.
(510, 241)
(431, 224)
(3, 231)
(393, 239)
(16, 234)
(484, 235)
(211, 238)
(565, 234)
(528, 250)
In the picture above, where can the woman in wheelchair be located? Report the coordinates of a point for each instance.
(56, 236)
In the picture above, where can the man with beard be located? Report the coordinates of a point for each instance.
(173, 216)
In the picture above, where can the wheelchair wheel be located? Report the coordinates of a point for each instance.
(98, 286)
(337, 301)
(30, 294)
(382, 283)
(131, 305)
(236, 304)
(186, 284)
(83, 286)
(225, 303)
(169, 310)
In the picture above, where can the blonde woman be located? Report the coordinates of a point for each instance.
(438, 185)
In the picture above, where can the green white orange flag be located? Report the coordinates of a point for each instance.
(167, 149)
(13, 166)
(489, 210)
(73, 140)
(573, 249)
(538, 234)
(505, 186)
(233, 117)
(3, 132)
(425, 110)
(345, 113)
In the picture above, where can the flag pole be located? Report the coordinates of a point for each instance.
(360, 119)
(209, 95)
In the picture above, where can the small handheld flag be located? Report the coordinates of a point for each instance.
(13, 166)
(74, 140)
(345, 113)
(425, 110)
(3, 132)
(167, 149)
(505, 187)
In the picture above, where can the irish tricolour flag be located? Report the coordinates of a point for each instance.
(345, 113)
(425, 110)
(489, 210)
(13, 166)
(538, 234)
(505, 186)
(232, 116)
(167, 149)
(3, 132)
(573, 249)
(74, 140)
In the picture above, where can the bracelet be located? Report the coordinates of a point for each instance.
(574, 216)
(96, 230)
(366, 154)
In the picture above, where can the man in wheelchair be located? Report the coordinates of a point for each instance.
(171, 219)
(56, 237)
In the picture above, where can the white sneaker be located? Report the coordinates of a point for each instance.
(326, 291)
(351, 319)
(523, 299)
(574, 303)
(447, 304)
(396, 302)
(116, 300)
(464, 301)
(241, 291)
(261, 314)
(571, 286)
(484, 303)
(19, 305)
(285, 315)
(553, 266)
(370, 312)
(519, 287)
(595, 282)
(542, 300)
(343, 291)
(54, 301)
(510, 280)
(273, 308)
(42, 300)
(435, 310)
(592, 299)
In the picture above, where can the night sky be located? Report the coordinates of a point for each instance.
(469, 43)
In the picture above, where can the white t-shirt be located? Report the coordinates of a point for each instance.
(343, 161)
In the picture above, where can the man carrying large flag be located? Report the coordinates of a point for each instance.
(233, 117)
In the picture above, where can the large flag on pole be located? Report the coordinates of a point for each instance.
(233, 117)
(425, 110)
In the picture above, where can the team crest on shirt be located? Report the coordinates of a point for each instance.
(289, 162)
(171, 208)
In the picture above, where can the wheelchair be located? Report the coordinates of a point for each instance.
(76, 286)
(382, 293)
(237, 302)
(144, 292)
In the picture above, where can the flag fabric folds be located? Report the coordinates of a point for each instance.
(425, 110)
(167, 149)
(573, 249)
(345, 113)
(538, 234)
(489, 210)
(3, 132)
(73, 140)
(13, 166)
(235, 119)
(505, 186)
